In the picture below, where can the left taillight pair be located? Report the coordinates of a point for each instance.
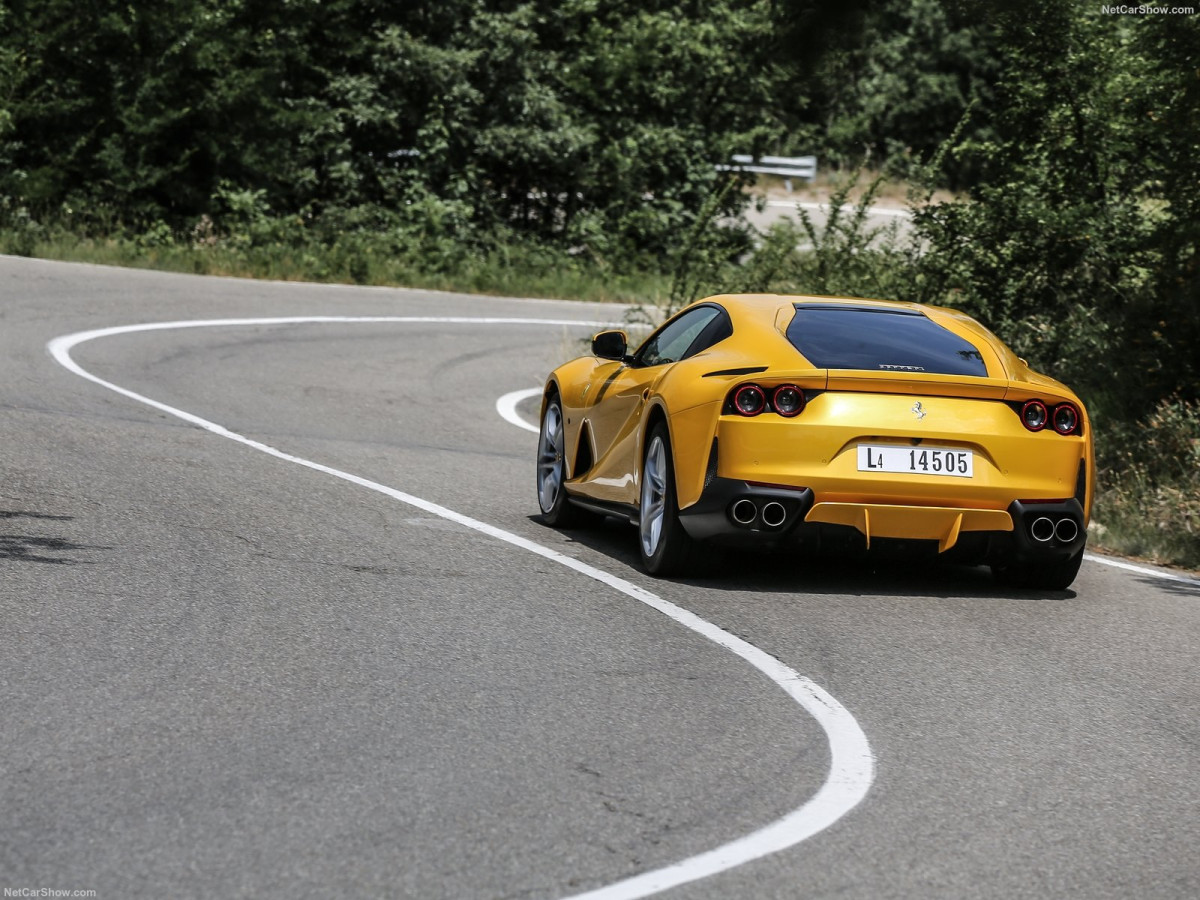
(751, 400)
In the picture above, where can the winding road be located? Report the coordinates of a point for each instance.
(279, 621)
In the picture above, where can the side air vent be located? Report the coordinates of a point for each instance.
(583, 454)
(711, 472)
(747, 370)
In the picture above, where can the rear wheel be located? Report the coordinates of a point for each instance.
(1056, 575)
(666, 547)
(552, 468)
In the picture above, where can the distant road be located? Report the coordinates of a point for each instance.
(777, 209)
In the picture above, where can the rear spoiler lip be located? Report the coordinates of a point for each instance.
(926, 384)
(922, 383)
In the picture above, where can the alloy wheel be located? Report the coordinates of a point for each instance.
(551, 468)
(654, 496)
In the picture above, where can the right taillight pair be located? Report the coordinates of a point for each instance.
(1064, 418)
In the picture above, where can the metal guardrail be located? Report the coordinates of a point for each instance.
(788, 166)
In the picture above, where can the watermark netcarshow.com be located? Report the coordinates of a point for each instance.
(45, 892)
(1148, 10)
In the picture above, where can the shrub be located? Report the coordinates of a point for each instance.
(1149, 498)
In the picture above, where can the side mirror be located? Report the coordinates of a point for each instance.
(610, 345)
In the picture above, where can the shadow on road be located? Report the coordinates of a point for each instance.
(1182, 588)
(890, 573)
(38, 548)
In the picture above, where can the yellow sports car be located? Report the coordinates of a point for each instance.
(779, 421)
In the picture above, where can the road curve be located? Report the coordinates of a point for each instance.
(226, 675)
(851, 763)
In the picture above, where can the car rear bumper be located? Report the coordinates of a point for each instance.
(742, 513)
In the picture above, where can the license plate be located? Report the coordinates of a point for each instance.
(915, 460)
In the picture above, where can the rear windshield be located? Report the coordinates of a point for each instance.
(886, 340)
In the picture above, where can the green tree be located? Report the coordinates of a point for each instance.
(1054, 248)
(885, 83)
(1163, 96)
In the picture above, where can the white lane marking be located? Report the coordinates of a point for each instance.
(852, 765)
(1141, 570)
(507, 407)
(825, 207)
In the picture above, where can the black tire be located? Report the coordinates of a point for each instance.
(666, 548)
(552, 468)
(1056, 575)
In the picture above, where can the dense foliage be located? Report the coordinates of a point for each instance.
(587, 123)
(488, 144)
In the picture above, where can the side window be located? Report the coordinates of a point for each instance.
(716, 331)
(672, 341)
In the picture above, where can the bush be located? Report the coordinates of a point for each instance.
(1149, 498)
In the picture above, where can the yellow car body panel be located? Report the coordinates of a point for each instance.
(774, 450)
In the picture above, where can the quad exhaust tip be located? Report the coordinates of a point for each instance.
(1042, 529)
(1066, 530)
(774, 514)
(744, 512)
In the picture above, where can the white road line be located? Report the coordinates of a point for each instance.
(852, 766)
(1141, 570)
(507, 407)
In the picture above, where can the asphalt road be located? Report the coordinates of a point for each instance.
(226, 673)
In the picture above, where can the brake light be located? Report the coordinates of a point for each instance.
(1062, 418)
(1034, 415)
(1066, 418)
(749, 400)
(788, 400)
